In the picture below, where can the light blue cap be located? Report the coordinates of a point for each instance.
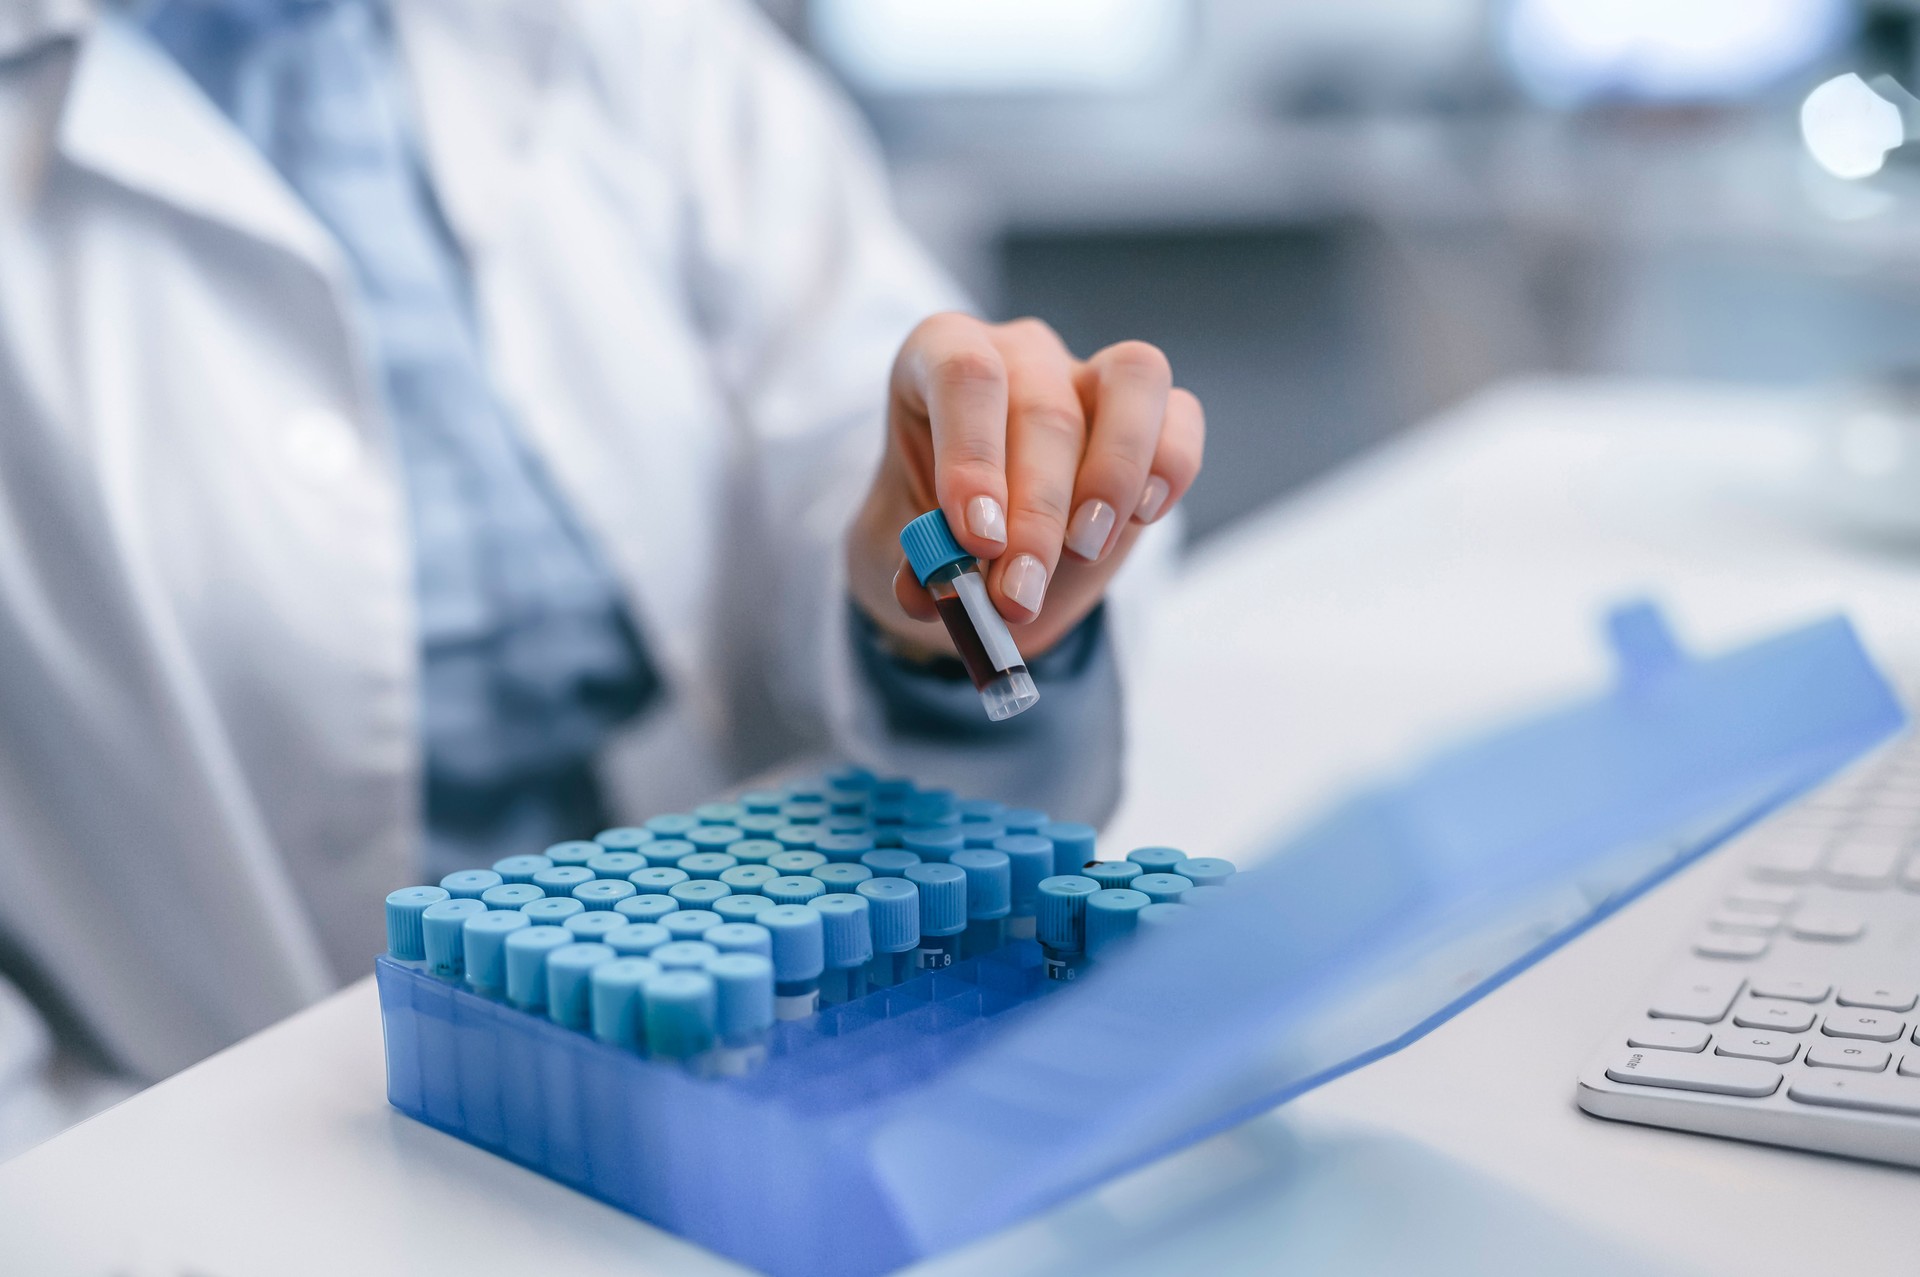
(561, 879)
(811, 812)
(1060, 911)
(1023, 820)
(932, 806)
(740, 908)
(989, 882)
(1206, 871)
(794, 889)
(933, 842)
(1161, 888)
(706, 864)
(743, 989)
(888, 812)
(594, 925)
(567, 970)
(405, 939)
(759, 825)
(670, 851)
(527, 951)
(842, 877)
(552, 911)
(617, 864)
(843, 849)
(749, 878)
(719, 813)
(761, 802)
(715, 837)
(647, 908)
(755, 851)
(851, 777)
(1032, 857)
(573, 853)
(846, 932)
(943, 897)
(520, 868)
(930, 546)
(849, 807)
(892, 788)
(672, 824)
(1111, 873)
(979, 810)
(1072, 845)
(680, 1014)
(484, 938)
(511, 895)
(699, 893)
(799, 942)
(618, 1006)
(889, 862)
(893, 906)
(1163, 913)
(625, 838)
(1157, 860)
(637, 939)
(442, 928)
(683, 955)
(688, 924)
(805, 791)
(984, 833)
(796, 863)
(741, 937)
(1204, 895)
(1112, 915)
(797, 837)
(470, 884)
(604, 893)
(656, 880)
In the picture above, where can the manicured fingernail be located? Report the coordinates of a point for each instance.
(1087, 533)
(1025, 582)
(1152, 499)
(986, 520)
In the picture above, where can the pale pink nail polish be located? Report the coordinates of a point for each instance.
(1025, 582)
(986, 520)
(1152, 499)
(1087, 532)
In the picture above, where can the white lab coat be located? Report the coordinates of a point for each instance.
(690, 287)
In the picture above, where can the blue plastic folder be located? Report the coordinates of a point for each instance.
(920, 1118)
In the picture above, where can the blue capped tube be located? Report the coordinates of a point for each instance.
(743, 1011)
(1112, 916)
(982, 834)
(762, 802)
(706, 865)
(637, 939)
(978, 631)
(624, 839)
(1031, 859)
(573, 854)
(672, 824)
(616, 1001)
(517, 869)
(442, 930)
(748, 879)
(739, 908)
(699, 892)
(470, 884)
(1161, 888)
(657, 880)
(808, 812)
(846, 946)
(551, 911)
(668, 852)
(845, 848)
(1073, 845)
(979, 811)
(595, 925)
(893, 913)
(889, 862)
(796, 863)
(648, 908)
(1206, 871)
(1111, 873)
(719, 813)
(741, 937)
(604, 893)
(1060, 918)
(527, 951)
(795, 890)
(842, 877)
(1157, 860)
(989, 898)
(568, 968)
(406, 939)
(797, 837)
(943, 913)
(755, 851)
(680, 1015)
(511, 895)
(617, 864)
(799, 958)
(933, 842)
(561, 879)
(713, 840)
(484, 939)
(758, 826)
(690, 924)
(684, 955)
(1023, 820)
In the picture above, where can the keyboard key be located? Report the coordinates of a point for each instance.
(1864, 866)
(1767, 986)
(1785, 862)
(1845, 1055)
(1705, 997)
(1716, 944)
(1774, 1048)
(1870, 1094)
(1884, 999)
(1712, 1073)
(1828, 924)
(1781, 1017)
(1669, 1035)
(1910, 874)
(1910, 1066)
(1747, 921)
(1872, 1026)
(1762, 895)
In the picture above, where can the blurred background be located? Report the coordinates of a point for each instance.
(1338, 216)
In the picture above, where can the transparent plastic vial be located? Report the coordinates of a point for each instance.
(980, 636)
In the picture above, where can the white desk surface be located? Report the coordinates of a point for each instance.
(1451, 579)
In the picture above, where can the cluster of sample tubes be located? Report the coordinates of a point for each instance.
(688, 937)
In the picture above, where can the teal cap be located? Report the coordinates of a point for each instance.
(762, 802)
(943, 897)
(684, 955)
(741, 937)
(527, 951)
(1204, 895)
(719, 813)
(889, 862)
(442, 929)
(1157, 860)
(520, 868)
(687, 924)
(759, 825)
(851, 776)
(626, 838)
(749, 878)
(1161, 888)
(846, 933)
(680, 1014)
(484, 937)
(699, 893)
(715, 837)
(1163, 913)
(933, 842)
(930, 546)
(405, 939)
(1072, 845)
(567, 970)
(670, 851)
(594, 925)
(706, 864)
(470, 884)
(888, 813)
(1060, 911)
(795, 889)
(892, 788)
(1032, 857)
(561, 879)
(843, 849)
(795, 863)
(755, 851)
(1112, 915)
(842, 877)
(989, 882)
(573, 853)
(1023, 820)
(893, 906)
(672, 824)
(511, 895)
(1111, 873)
(799, 945)
(637, 939)
(604, 893)
(552, 911)
(743, 992)
(739, 908)
(984, 833)
(811, 812)
(656, 880)
(797, 837)
(979, 810)
(1206, 871)
(616, 864)
(932, 807)
(647, 908)
(616, 996)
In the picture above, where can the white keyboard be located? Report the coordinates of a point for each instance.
(1794, 1016)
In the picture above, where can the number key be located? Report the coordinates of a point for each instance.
(1774, 1048)
(1833, 1055)
(1781, 1017)
(1873, 1026)
(1877, 996)
(1669, 1035)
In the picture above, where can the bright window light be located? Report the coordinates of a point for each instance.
(1848, 128)
(999, 46)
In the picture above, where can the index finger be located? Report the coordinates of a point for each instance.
(950, 373)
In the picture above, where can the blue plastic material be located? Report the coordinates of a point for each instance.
(470, 884)
(624, 839)
(520, 869)
(647, 908)
(1072, 844)
(930, 546)
(573, 854)
(1157, 860)
(1110, 873)
(841, 877)
(443, 928)
(406, 938)
(989, 882)
(889, 862)
(894, 905)
(1205, 871)
(943, 898)
(1162, 888)
(740, 908)
(511, 895)
(897, 1126)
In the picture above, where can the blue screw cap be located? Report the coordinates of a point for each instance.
(989, 882)
(984, 833)
(680, 1014)
(617, 1000)
(1111, 873)
(604, 893)
(762, 802)
(846, 934)
(669, 852)
(1032, 860)
(689, 924)
(979, 810)
(552, 910)
(1161, 888)
(797, 837)
(647, 908)
(799, 942)
(1206, 871)
(567, 970)
(626, 838)
(616, 864)
(637, 939)
(442, 928)
(755, 851)
(793, 890)
(943, 897)
(470, 884)
(1060, 911)
(842, 877)
(573, 853)
(739, 908)
(656, 880)
(1072, 845)
(595, 925)
(893, 912)
(749, 878)
(843, 849)
(743, 989)
(806, 813)
(1157, 860)
(932, 842)
(561, 879)
(520, 868)
(484, 937)
(1112, 915)
(758, 825)
(527, 951)
(889, 862)
(715, 837)
(684, 955)
(741, 937)
(793, 864)
(930, 546)
(706, 864)
(1023, 820)
(672, 824)
(719, 813)
(699, 893)
(511, 895)
(405, 937)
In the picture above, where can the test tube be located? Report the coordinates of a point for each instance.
(846, 823)
(511, 895)
(979, 634)
(1112, 915)
(846, 946)
(684, 955)
(1157, 860)
(442, 930)
(1206, 871)
(889, 862)
(932, 842)
(699, 893)
(843, 849)
(706, 864)
(979, 811)
(719, 813)
(1072, 845)
(799, 958)
(893, 906)
(1161, 888)
(575, 854)
(1060, 915)
(887, 814)
(842, 877)
(1111, 873)
(1032, 860)
(637, 939)
(516, 869)
(647, 908)
(624, 839)
(989, 898)
(470, 884)
(595, 925)
(680, 1015)
(688, 924)
(757, 826)
(797, 837)
(796, 864)
(755, 851)
(794, 890)
(552, 911)
(748, 879)
(1023, 820)
(656, 880)
(616, 1000)
(671, 824)
(809, 812)
(740, 937)
(561, 879)
(568, 967)
(669, 852)
(484, 939)
(527, 951)
(943, 913)
(983, 833)
(616, 864)
(406, 939)
(761, 802)
(739, 908)
(715, 838)
(604, 893)
(743, 1011)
